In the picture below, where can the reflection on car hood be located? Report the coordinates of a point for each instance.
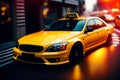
(48, 37)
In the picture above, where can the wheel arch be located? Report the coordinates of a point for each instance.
(73, 58)
(81, 44)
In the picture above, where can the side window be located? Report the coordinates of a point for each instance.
(99, 24)
(90, 24)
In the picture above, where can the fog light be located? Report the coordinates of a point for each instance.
(53, 59)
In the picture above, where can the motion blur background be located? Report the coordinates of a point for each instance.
(21, 17)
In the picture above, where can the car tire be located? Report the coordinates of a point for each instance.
(109, 40)
(76, 53)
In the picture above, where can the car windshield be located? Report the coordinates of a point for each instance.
(66, 25)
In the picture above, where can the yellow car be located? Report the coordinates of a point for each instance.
(63, 41)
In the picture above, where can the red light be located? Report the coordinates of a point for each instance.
(64, 45)
(115, 10)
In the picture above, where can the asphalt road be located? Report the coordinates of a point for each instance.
(102, 63)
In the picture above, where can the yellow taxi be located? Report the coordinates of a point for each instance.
(64, 41)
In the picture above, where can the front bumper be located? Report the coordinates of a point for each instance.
(48, 58)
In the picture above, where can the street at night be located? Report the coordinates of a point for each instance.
(102, 63)
(59, 40)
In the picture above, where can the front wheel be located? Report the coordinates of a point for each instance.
(76, 53)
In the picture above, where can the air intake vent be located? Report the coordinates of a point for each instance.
(30, 48)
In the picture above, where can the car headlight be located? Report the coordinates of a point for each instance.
(57, 47)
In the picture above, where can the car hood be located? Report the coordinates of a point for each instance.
(48, 37)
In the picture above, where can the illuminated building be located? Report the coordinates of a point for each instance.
(28, 16)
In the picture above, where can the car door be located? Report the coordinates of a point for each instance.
(90, 35)
(101, 30)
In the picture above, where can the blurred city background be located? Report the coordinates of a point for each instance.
(21, 17)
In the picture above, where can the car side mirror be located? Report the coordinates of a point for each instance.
(45, 27)
(89, 30)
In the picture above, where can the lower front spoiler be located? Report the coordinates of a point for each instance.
(43, 61)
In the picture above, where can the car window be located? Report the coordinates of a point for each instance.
(99, 23)
(79, 25)
(91, 24)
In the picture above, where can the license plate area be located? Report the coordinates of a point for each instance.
(30, 58)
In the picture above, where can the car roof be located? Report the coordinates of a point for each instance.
(79, 18)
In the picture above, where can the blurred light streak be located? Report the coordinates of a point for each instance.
(45, 3)
(45, 12)
(117, 30)
(3, 9)
(105, 11)
(45, 9)
(115, 10)
(97, 61)
(115, 40)
(77, 75)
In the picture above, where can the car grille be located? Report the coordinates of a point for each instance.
(30, 58)
(30, 48)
